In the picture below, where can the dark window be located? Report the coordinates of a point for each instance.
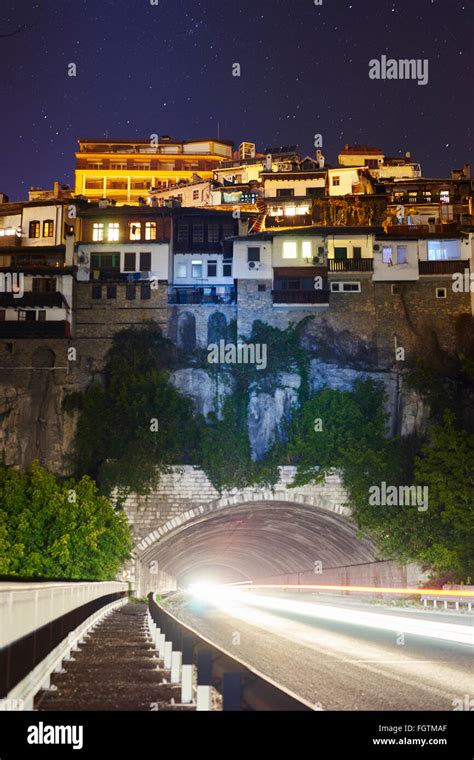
(145, 291)
(129, 263)
(351, 287)
(311, 191)
(198, 233)
(44, 285)
(340, 254)
(253, 254)
(213, 233)
(227, 230)
(131, 292)
(212, 269)
(105, 261)
(34, 231)
(96, 292)
(2, 315)
(27, 316)
(145, 261)
(357, 252)
(111, 291)
(183, 233)
(48, 227)
(262, 288)
(42, 316)
(227, 268)
(285, 192)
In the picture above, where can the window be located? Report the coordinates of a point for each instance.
(196, 269)
(130, 292)
(34, 230)
(444, 196)
(395, 290)
(336, 181)
(42, 315)
(253, 254)
(183, 233)
(129, 262)
(213, 233)
(106, 261)
(227, 268)
(48, 227)
(135, 231)
(290, 250)
(442, 250)
(387, 254)
(212, 268)
(441, 292)
(340, 253)
(307, 249)
(145, 291)
(3, 314)
(118, 167)
(285, 192)
(195, 195)
(356, 252)
(111, 292)
(198, 233)
(44, 285)
(262, 288)
(150, 231)
(113, 232)
(227, 230)
(27, 315)
(97, 292)
(345, 287)
(145, 261)
(97, 232)
(401, 254)
(181, 270)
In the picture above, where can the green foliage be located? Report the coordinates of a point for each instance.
(58, 530)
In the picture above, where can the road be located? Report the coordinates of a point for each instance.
(342, 664)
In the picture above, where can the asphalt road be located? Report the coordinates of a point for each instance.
(338, 665)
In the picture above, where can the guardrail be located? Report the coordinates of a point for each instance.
(41, 624)
(456, 600)
(241, 687)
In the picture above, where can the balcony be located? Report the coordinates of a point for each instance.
(216, 294)
(450, 266)
(53, 329)
(10, 241)
(351, 265)
(32, 300)
(291, 297)
(26, 263)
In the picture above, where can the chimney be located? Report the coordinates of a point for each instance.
(56, 190)
(3, 198)
(467, 171)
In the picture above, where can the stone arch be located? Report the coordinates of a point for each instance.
(216, 327)
(43, 358)
(186, 337)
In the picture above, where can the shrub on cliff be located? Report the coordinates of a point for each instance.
(56, 529)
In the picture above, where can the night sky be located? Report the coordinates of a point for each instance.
(167, 69)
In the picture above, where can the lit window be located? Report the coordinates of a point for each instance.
(113, 233)
(336, 181)
(150, 231)
(387, 254)
(98, 232)
(196, 269)
(401, 254)
(444, 196)
(290, 211)
(181, 270)
(307, 249)
(34, 231)
(289, 250)
(135, 231)
(48, 227)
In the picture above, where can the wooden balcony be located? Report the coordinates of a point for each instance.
(291, 297)
(450, 266)
(351, 265)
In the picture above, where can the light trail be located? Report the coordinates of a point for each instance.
(364, 589)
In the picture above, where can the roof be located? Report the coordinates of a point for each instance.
(311, 230)
(361, 149)
(146, 141)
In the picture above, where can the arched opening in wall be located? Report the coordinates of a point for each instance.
(212, 573)
(43, 358)
(216, 328)
(186, 337)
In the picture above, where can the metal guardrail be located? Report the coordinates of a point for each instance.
(456, 600)
(241, 687)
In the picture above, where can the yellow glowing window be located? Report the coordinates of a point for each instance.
(135, 231)
(307, 249)
(150, 231)
(289, 250)
(290, 211)
(98, 232)
(113, 233)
